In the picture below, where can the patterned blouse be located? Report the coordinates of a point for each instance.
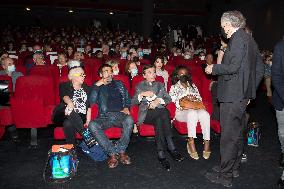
(177, 92)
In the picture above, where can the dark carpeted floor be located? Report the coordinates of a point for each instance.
(22, 167)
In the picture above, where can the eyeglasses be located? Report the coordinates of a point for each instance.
(79, 74)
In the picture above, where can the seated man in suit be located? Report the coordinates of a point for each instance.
(152, 98)
(114, 102)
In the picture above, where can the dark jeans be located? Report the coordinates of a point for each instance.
(71, 124)
(233, 121)
(112, 119)
(160, 118)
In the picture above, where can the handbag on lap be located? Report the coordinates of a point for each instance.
(190, 102)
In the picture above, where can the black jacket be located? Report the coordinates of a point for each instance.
(241, 69)
(99, 95)
(277, 74)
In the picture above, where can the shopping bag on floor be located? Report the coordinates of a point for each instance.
(61, 165)
(253, 134)
(96, 152)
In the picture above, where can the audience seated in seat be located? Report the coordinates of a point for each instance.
(184, 87)
(114, 103)
(151, 96)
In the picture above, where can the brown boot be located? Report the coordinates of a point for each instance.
(191, 149)
(112, 161)
(124, 158)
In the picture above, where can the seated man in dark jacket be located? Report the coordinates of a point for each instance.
(152, 97)
(114, 103)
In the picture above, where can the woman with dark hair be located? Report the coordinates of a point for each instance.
(70, 51)
(183, 87)
(159, 63)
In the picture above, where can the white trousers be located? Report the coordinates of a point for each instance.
(191, 117)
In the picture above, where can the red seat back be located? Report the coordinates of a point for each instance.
(124, 79)
(46, 70)
(35, 86)
(137, 79)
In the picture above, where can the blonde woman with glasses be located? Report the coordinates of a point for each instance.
(74, 94)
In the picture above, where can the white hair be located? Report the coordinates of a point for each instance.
(73, 71)
(236, 19)
(74, 66)
(74, 63)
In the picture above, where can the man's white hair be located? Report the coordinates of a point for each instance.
(236, 19)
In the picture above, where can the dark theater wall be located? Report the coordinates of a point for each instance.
(264, 17)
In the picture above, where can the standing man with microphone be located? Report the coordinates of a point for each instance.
(239, 75)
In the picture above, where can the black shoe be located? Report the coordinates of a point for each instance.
(88, 138)
(176, 155)
(217, 170)
(244, 158)
(281, 160)
(165, 163)
(219, 179)
(280, 184)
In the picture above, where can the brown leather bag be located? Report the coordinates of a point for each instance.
(189, 102)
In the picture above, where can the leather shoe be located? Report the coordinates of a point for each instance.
(219, 179)
(280, 184)
(112, 162)
(176, 155)
(281, 160)
(217, 170)
(124, 158)
(165, 163)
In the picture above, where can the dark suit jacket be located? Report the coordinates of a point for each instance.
(277, 74)
(241, 69)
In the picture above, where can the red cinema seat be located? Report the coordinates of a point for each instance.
(22, 69)
(111, 133)
(181, 127)
(44, 70)
(147, 130)
(137, 79)
(88, 67)
(96, 65)
(124, 79)
(144, 61)
(33, 103)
